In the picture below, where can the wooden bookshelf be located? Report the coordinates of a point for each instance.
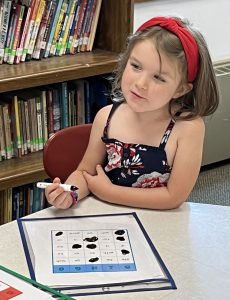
(115, 24)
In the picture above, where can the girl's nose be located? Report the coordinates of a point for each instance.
(142, 82)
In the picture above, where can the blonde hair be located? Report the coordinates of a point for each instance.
(203, 99)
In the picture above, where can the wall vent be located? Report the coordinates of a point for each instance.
(222, 69)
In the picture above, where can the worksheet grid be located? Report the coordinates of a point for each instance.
(92, 251)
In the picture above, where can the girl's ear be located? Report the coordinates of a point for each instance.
(183, 89)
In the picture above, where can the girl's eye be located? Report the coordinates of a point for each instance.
(135, 66)
(158, 77)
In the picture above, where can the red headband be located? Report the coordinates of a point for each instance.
(189, 44)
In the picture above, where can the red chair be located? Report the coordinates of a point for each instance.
(64, 150)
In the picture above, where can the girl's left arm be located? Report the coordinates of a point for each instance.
(186, 167)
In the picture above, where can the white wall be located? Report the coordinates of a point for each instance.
(211, 17)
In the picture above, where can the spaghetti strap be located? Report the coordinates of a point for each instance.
(114, 107)
(167, 134)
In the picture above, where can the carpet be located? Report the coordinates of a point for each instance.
(213, 185)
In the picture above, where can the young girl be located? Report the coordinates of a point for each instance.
(145, 150)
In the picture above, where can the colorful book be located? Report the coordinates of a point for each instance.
(10, 31)
(73, 27)
(42, 29)
(65, 30)
(2, 136)
(60, 24)
(4, 27)
(54, 24)
(15, 42)
(78, 28)
(34, 7)
(25, 26)
(48, 28)
(37, 22)
(64, 105)
(86, 24)
(7, 130)
(93, 28)
(17, 127)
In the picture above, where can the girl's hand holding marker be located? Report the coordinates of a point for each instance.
(66, 187)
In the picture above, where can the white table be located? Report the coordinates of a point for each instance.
(193, 241)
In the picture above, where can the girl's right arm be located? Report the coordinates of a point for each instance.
(94, 155)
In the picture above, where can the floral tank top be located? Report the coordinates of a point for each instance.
(136, 165)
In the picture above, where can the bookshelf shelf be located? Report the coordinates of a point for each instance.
(16, 172)
(114, 25)
(56, 69)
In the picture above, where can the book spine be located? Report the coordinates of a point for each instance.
(44, 116)
(58, 28)
(49, 43)
(31, 127)
(88, 27)
(2, 136)
(70, 14)
(56, 110)
(37, 22)
(77, 33)
(64, 105)
(34, 7)
(49, 104)
(23, 126)
(17, 126)
(94, 26)
(85, 23)
(39, 122)
(23, 36)
(73, 27)
(10, 31)
(20, 12)
(4, 27)
(48, 29)
(41, 31)
(7, 131)
(28, 137)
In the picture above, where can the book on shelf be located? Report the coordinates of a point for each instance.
(86, 23)
(92, 33)
(42, 29)
(20, 201)
(85, 36)
(16, 34)
(29, 117)
(59, 25)
(78, 29)
(25, 25)
(4, 27)
(12, 24)
(36, 29)
(48, 29)
(34, 7)
(64, 104)
(53, 28)
(61, 45)
(38, 18)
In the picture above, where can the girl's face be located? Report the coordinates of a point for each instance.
(147, 84)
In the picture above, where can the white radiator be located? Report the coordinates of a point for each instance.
(217, 136)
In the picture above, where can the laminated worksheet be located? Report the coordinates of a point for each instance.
(93, 254)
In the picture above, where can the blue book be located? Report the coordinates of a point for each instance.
(49, 43)
(64, 105)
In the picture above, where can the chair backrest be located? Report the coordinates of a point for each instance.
(64, 150)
